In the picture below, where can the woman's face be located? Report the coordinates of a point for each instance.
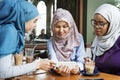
(100, 24)
(61, 29)
(29, 25)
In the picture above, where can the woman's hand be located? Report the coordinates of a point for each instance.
(63, 70)
(75, 70)
(89, 65)
(45, 64)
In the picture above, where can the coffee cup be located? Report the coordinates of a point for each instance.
(18, 59)
(89, 68)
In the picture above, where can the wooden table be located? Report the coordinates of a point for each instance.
(49, 76)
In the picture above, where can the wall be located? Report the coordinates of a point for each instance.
(72, 6)
(91, 6)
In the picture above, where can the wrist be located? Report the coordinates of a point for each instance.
(37, 65)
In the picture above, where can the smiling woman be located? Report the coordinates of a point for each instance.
(61, 29)
(67, 43)
(16, 18)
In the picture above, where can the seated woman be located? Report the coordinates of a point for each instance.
(16, 18)
(106, 45)
(67, 43)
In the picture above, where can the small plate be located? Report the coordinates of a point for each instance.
(88, 74)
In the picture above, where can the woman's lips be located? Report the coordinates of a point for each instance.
(97, 32)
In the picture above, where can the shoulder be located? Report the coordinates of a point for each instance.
(49, 42)
(80, 37)
(117, 41)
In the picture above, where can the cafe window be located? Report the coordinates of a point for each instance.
(41, 24)
(46, 10)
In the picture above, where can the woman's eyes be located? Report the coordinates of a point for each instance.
(35, 20)
(60, 26)
(65, 26)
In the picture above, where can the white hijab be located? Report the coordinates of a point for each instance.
(103, 43)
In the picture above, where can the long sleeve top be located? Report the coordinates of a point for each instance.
(77, 56)
(109, 61)
(8, 69)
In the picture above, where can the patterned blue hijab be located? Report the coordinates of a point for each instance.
(13, 15)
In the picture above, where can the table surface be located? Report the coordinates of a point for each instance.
(51, 76)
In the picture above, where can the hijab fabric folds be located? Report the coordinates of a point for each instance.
(103, 43)
(13, 15)
(64, 47)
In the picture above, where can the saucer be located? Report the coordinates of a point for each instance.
(40, 72)
(89, 74)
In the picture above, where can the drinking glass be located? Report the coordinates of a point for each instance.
(29, 52)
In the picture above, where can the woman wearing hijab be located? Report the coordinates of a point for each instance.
(106, 45)
(16, 18)
(67, 43)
